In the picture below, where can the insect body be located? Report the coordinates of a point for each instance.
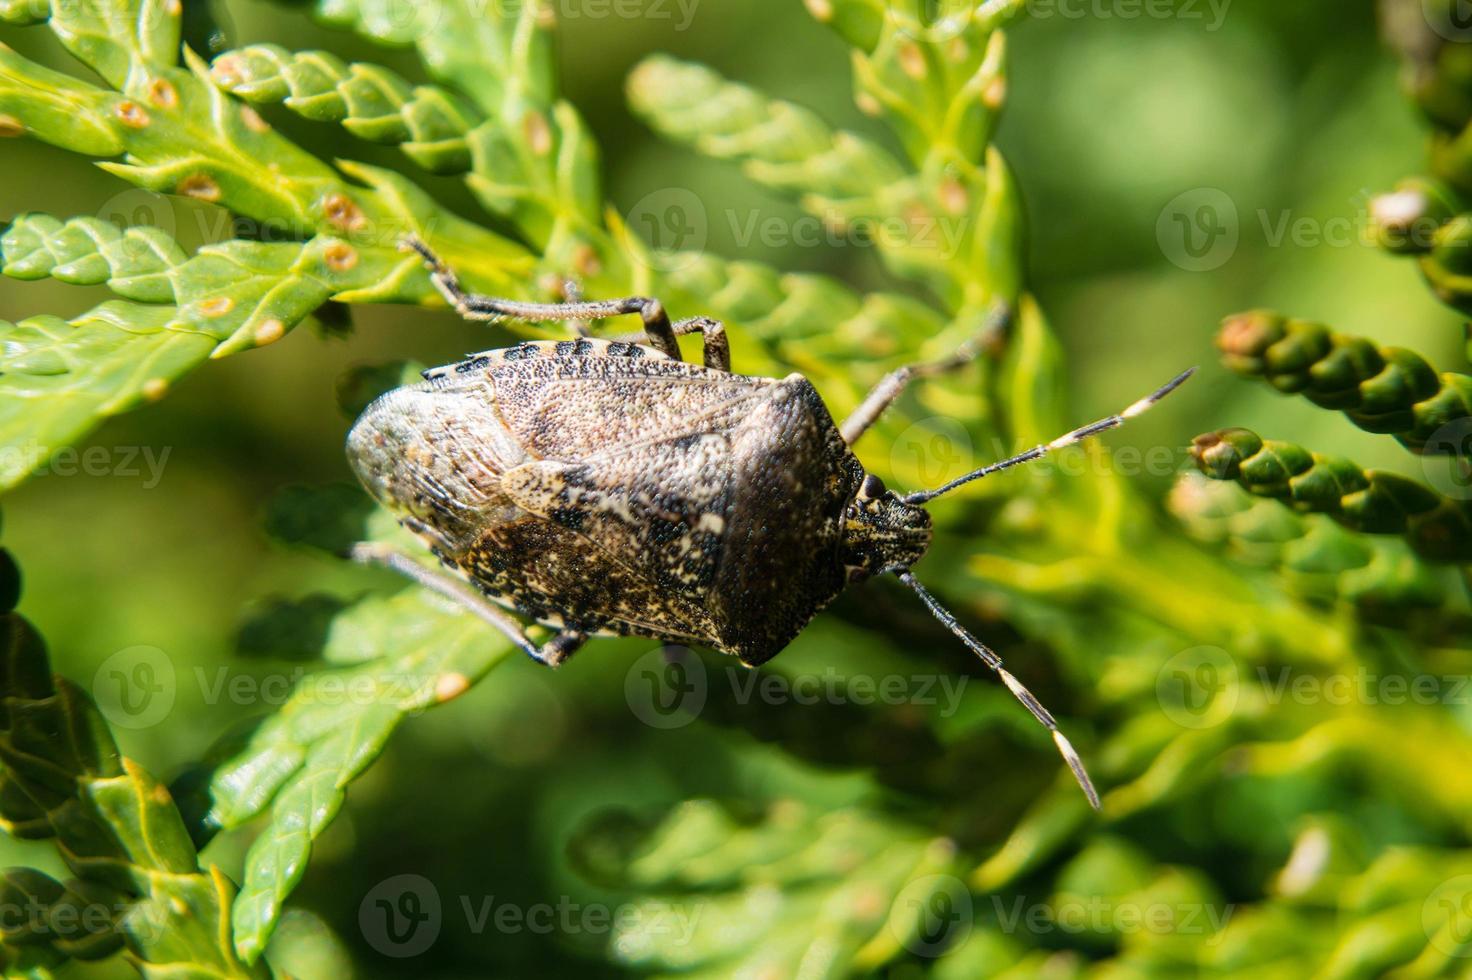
(604, 487)
(607, 487)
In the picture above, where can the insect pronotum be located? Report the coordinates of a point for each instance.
(608, 487)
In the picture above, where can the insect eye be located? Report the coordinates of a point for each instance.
(873, 487)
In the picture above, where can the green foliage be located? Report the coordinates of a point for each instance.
(535, 164)
(393, 658)
(371, 102)
(948, 219)
(834, 892)
(1329, 543)
(1428, 217)
(62, 376)
(138, 878)
(1121, 623)
(180, 134)
(1322, 560)
(1438, 527)
(1387, 390)
(382, 659)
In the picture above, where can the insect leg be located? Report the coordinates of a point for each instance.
(657, 327)
(892, 384)
(716, 352)
(561, 646)
(551, 653)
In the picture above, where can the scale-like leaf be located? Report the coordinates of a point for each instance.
(116, 828)
(1438, 528)
(61, 377)
(1320, 559)
(954, 226)
(789, 892)
(1388, 390)
(394, 657)
(536, 163)
(178, 133)
(371, 102)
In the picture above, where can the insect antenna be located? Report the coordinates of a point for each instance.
(1028, 699)
(1062, 442)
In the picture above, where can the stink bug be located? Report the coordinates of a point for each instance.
(608, 487)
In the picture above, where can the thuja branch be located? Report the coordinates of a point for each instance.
(1369, 501)
(1387, 390)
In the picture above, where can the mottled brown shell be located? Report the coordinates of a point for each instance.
(603, 487)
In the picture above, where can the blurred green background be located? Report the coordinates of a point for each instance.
(1291, 109)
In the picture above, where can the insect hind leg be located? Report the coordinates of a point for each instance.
(658, 330)
(552, 653)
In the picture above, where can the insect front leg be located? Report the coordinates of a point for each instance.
(657, 327)
(552, 653)
(893, 384)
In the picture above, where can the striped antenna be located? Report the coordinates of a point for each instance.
(1062, 442)
(1028, 699)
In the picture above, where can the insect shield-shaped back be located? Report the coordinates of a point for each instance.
(603, 487)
